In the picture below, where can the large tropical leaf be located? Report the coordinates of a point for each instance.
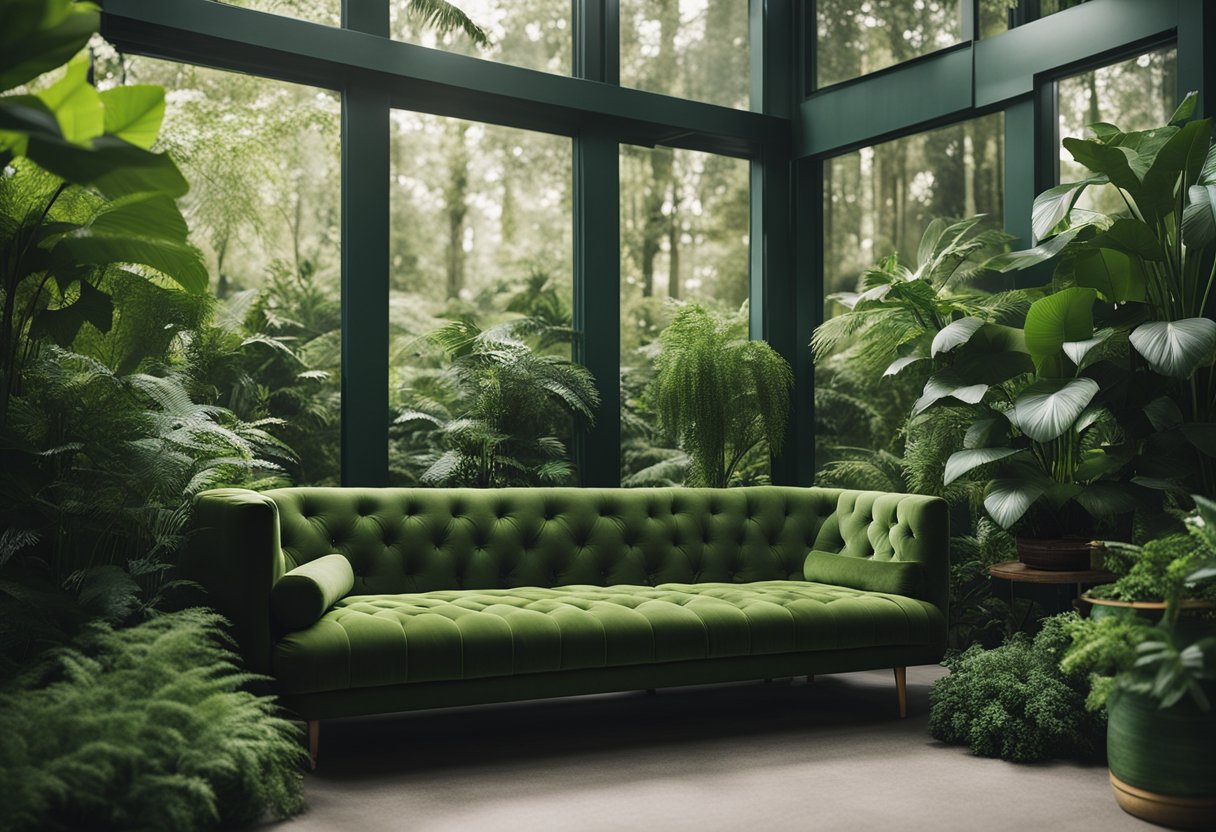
(1007, 499)
(1053, 205)
(1078, 351)
(1017, 260)
(76, 103)
(1199, 217)
(961, 462)
(1049, 407)
(1180, 159)
(182, 264)
(954, 335)
(984, 433)
(1116, 277)
(134, 113)
(1067, 315)
(1121, 164)
(900, 364)
(1176, 348)
(948, 385)
(39, 35)
(1163, 413)
(1133, 237)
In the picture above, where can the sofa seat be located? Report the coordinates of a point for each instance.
(376, 640)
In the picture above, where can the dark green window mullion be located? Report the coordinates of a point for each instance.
(1197, 52)
(796, 465)
(597, 249)
(365, 265)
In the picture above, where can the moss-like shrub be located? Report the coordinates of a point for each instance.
(144, 728)
(1156, 570)
(1014, 702)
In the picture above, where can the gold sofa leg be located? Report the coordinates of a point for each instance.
(314, 738)
(901, 690)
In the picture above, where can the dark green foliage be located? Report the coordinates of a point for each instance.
(977, 616)
(721, 395)
(503, 429)
(1155, 571)
(144, 728)
(1016, 703)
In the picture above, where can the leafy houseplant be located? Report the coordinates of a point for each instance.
(1158, 683)
(1015, 702)
(720, 394)
(514, 403)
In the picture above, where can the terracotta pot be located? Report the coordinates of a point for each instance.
(1162, 765)
(1063, 555)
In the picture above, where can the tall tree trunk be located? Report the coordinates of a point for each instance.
(456, 196)
(655, 221)
(968, 170)
(1095, 113)
(673, 243)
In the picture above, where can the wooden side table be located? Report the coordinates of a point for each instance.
(1017, 572)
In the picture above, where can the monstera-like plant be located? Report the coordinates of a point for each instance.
(1152, 267)
(1052, 452)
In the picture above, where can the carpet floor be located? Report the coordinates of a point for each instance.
(825, 756)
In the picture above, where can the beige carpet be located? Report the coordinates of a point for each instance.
(756, 757)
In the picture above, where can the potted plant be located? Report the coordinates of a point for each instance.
(1158, 683)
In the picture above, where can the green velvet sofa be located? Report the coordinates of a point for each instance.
(360, 601)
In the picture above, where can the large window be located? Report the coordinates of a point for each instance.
(878, 200)
(684, 237)
(1136, 94)
(687, 48)
(528, 33)
(263, 161)
(481, 233)
(856, 37)
(328, 12)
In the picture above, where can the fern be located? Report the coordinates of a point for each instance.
(719, 394)
(144, 728)
(444, 18)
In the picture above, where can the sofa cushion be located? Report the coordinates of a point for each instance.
(893, 576)
(372, 640)
(303, 595)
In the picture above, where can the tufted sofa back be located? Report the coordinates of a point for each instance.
(417, 540)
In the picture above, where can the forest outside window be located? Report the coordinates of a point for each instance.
(264, 207)
(535, 34)
(328, 12)
(857, 37)
(684, 237)
(1136, 94)
(695, 49)
(481, 265)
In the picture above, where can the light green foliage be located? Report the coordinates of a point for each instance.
(1102, 648)
(512, 401)
(1155, 571)
(1014, 702)
(145, 727)
(718, 393)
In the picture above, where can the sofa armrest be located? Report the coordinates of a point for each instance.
(233, 553)
(921, 535)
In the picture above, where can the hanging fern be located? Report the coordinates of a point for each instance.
(719, 394)
(144, 728)
(444, 18)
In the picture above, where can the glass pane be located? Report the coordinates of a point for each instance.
(1138, 94)
(856, 37)
(528, 33)
(684, 236)
(878, 200)
(263, 161)
(994, 16)
(687, 48)
(328, 12)
(481, 232)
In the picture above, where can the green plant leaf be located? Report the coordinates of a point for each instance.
(954, 335)
(134, 113)
(1199, 217)
(1066, 316)
(1017, 260)
(961, 462)
(1131, 237)
(948, 385)
(1176, 348)
(181, 264)
(1007, 499)
(1202, 435)
(39, 36)
(21, 115)
(112, 166)
(75, 102)
(61, 325)
(1048, 408)
(900, 364)
(149, 216)
(1182, 157)
(1107, 500)
(1116, 277)
(1207, 175)
(1078, 351)
(1053, 205)
(1186, 109)
(1163, 413)
(984, 433)
(1120, 164)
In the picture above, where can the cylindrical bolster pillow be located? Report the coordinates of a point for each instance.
(305, 593)
(895, 577)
